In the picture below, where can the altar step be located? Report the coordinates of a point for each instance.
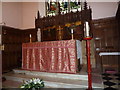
(11, 84)
(52, 80)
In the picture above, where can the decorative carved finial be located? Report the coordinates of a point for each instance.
(85, 5)
(38, 15)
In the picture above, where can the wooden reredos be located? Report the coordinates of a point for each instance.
(58, 27)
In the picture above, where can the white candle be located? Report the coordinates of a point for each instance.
(30, 36)
(72, 31)
(87, 28)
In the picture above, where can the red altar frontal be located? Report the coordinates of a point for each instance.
(51, 56)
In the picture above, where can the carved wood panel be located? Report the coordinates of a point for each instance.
(12, 39)
(106, 37)
(11, 55)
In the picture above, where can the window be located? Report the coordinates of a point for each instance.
(55, 7)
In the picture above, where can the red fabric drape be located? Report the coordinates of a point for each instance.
(52, 56)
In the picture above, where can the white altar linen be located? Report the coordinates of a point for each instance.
(79, 50)
(109, 53)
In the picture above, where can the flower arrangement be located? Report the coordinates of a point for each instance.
(35, 83)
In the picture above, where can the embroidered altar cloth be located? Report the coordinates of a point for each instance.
(51, 56)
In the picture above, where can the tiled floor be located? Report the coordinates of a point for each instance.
(111, 81)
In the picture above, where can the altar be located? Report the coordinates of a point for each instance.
(57, 48)
(50, 56)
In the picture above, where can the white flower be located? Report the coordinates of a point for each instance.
(26, 82)
(30, 80)
(22, 87)
(36, 80)
(40, 82)
(33, 81)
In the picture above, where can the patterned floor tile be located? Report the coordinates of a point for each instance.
(107, 78)
(115, 86)
(106, 86)
(111, 81)
(114, 77)
(106, 74)
(110, 88)
(108, 83)
(118, 79)
(117, 74)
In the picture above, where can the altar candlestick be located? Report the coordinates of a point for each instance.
(30, 35)
(86, 29)
(30, 38)
(72, 31)
(72, 34)
(87, 37)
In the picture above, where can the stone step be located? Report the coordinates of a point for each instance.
(11, 84)
(53, 82)
(49, 81)
(77, 76)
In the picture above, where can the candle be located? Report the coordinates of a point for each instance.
(87, 28)
(72, 31)
(30, 36)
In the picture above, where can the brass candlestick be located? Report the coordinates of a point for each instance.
(72, 36)
(72, 31)
(30, 38)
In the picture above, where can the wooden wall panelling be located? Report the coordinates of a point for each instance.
(26, 35)
(12, 39)
(67, 33)
(106, 37)
(11, 55)
(118, 21)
